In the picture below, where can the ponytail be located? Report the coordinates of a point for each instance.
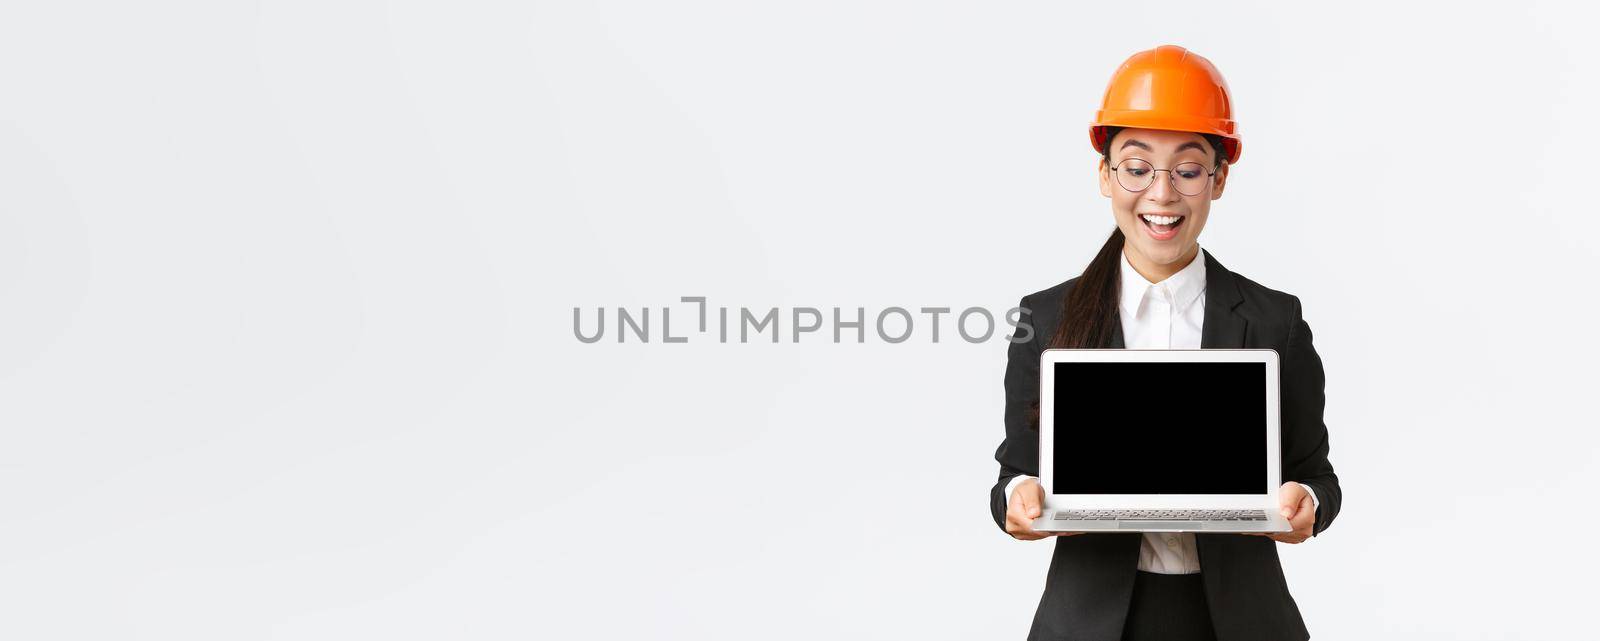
(1089, 312)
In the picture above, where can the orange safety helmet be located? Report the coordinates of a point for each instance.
(1168, 87)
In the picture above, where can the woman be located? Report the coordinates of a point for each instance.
(1167, 139)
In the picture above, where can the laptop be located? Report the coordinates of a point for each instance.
(1159, 440)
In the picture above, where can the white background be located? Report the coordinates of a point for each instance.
(287, 292)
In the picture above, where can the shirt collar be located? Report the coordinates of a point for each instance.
(1185, 286)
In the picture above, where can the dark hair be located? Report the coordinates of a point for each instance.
(1089, 312)
(1218, 147)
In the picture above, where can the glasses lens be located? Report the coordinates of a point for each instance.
(1190, 178)
(1134, 174)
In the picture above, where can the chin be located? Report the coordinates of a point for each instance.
(1165, 253)
(1175, 253)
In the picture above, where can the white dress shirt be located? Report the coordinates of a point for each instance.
(1164, 315)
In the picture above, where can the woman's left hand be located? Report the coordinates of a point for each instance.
(1294, 504)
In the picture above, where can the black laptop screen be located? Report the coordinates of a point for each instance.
(1160, 428)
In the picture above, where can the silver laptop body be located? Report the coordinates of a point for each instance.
(1163, 440)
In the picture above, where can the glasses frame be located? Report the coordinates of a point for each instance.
(1170, 180)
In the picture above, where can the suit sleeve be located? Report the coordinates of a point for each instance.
(1019, 452)
(1305, 445)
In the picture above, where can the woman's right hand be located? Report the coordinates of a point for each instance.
(1023, 508)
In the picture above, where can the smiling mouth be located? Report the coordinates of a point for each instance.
(1162, 225)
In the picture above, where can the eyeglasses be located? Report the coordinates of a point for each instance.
(1136, 174)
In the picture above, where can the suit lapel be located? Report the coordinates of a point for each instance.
(1223, 328)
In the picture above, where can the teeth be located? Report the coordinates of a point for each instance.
(1161, 220)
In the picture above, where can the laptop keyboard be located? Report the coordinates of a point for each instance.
(1160, 515)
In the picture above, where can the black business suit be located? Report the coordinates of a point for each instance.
(1090, 582)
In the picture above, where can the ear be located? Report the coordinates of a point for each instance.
(1105, 177)
(1222, 180)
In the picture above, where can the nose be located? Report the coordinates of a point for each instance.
(1160, 189)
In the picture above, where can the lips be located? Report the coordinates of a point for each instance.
(1162, 231)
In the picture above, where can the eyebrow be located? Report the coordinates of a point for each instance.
(1188, 145)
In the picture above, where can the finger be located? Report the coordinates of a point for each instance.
(1027, 533)
(1290, 498)
(1028, 503)
(1023, 511)
(1304, 518)
(1020, 524)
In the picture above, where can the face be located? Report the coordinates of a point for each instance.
(1156, 248)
